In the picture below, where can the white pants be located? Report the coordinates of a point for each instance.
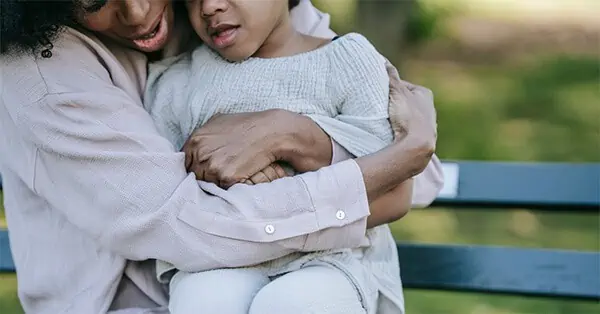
(319, 289)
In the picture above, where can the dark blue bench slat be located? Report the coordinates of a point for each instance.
(552, 273)
(534, 185)
(6, 261)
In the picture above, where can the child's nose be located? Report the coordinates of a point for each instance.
(212, 7)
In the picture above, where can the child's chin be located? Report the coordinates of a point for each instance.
(234, 58)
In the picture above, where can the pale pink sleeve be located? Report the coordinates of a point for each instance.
(428, 184)
(309, 20)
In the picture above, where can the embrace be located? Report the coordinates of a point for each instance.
(205, 156)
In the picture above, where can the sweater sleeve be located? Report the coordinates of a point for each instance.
(361, 89)
(123, 184)
(165, 92)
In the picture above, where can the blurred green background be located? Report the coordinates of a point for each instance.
(514, 80)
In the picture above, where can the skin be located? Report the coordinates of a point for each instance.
(263, 29)
(217, 151)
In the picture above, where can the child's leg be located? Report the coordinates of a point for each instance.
(222, 291)
(318, 289)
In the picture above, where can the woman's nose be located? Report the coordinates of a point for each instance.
(134, 12)
(212, 7)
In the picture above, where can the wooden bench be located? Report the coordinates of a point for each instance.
(538, 186)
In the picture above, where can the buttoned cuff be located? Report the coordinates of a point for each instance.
(339, 199)
(339, 153)
(350, 236)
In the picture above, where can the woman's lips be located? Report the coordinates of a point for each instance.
(155, 39)
(224, 36)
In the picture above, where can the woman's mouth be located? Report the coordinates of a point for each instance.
(223, 35)
(155, 39)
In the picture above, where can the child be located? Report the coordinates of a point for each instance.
(254, 60)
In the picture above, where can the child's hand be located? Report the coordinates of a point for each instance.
(271, 173)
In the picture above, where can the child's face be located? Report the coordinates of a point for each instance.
(236, 28)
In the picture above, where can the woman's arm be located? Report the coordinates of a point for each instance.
(95, 156)
(391, 206)
(122, 183)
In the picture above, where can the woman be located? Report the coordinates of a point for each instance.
(92, 191)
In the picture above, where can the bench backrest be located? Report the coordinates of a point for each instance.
(555, 273)
(541, 186)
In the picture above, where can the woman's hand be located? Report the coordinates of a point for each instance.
(411, 103)
(231, 148)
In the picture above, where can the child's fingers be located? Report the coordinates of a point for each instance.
(279, 171)
(271, 173)
(259, 177)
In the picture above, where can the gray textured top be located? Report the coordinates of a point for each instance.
(343, 86)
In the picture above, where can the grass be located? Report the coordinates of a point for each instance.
(9, 303)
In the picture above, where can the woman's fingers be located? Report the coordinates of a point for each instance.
(411, 106)
(198, 169)
(392, 73)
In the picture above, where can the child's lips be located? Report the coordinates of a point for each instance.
(223, 35)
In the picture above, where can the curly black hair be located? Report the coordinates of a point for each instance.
(33, 24)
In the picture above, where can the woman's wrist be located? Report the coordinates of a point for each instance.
(304, 145)
(393, 165)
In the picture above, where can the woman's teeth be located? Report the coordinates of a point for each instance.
(152, 34)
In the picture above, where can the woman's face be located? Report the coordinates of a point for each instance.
(145, 25)
(236, 28)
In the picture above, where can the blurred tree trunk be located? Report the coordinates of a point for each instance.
(385, 22)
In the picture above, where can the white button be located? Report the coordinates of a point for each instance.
(269, 229)
(340, 214)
